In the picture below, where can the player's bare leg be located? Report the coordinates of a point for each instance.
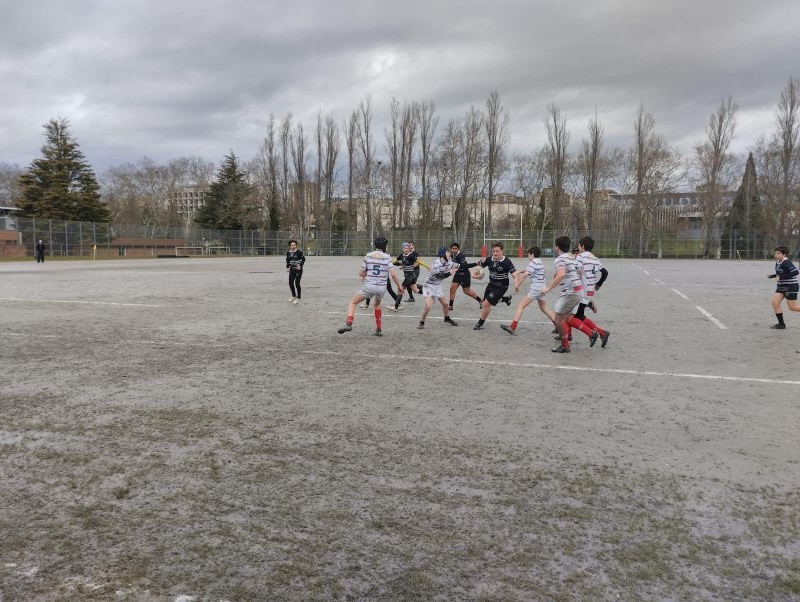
(524, 302)
(351, 310)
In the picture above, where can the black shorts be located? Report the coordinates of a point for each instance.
(410, 278)
(789, 291)
(493, 293)
(465, 280)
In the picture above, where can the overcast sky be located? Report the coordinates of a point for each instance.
(174, 78)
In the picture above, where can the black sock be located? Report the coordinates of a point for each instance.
(447, 318)
(780, 318)
(450, 305)
(481, 322)
(397, 302)
(422, 322)
(478, 299)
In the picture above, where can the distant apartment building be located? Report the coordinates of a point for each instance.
(188, 200)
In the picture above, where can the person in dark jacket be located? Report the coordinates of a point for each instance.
(786, 273)
(40, 249)
(294, 265)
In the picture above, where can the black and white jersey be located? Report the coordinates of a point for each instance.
(295, 259)
(408, 262)
(463, 265)
(498, 270)
(786, 271)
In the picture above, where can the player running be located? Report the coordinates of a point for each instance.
(443, 267)
(588, 267)
(376, 268)
(462, 277)
(410, 261)
(571, 291)
(500, 267)
(786, 273)
(535, 270)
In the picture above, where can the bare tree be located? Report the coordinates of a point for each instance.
(300, 204)
(271, 165)
(788, 120)
(366, 148)
(9, 183)
(590, 166)
(557, 160)
(714, 164)
(497, 139)
(529, 176)
(331, 147)
(285, 142)
(351, 127)
(319, 218)
(427, 132)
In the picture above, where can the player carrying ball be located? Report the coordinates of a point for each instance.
(432, 291)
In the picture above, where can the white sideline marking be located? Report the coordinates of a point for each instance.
(677, 292)
(574, 368)
(712, 318)
(661, 283)
(81, 302)
(457, 360)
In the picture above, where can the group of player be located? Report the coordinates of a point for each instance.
(576, 275)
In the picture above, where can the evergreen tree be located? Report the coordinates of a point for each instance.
(743, 231)
(61, 184)
(229, 203)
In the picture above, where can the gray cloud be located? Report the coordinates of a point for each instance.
(166, 79)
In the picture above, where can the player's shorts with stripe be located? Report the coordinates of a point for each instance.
(566, 303)
(535, 294)
(789, 290)
(434, 291)
(369, 291)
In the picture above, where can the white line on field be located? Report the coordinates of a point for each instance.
(546, 366)
(677, 292)
(81, 302)
(646, 272)
(661, 283)
(712, 318)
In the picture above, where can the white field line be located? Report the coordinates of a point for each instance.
(677, 292)
(555, 367)
(440, 360)
(712, 318)
(646, 272)
(661, 283)
(80, 302)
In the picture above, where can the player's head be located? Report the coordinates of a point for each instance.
(497, 250)
(534, 252)
(455, 247)
(406, 247)
(381, 243)
(442, 252)
(784, 251)
(40, 241)
(293, 245)
(587, 242)
(413, 244)
(563, 243)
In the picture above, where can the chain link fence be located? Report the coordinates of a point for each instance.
(18, 237)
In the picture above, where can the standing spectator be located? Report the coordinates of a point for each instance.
(40, 249)
(294, 265)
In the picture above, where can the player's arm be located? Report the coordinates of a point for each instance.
(302, 261)
(557, 278)
(423, 264)
(400, 289)
(520, 280)
(287, 261)
(603, 276)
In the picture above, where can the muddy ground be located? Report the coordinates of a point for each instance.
(175, 429)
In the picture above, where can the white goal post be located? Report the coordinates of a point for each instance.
(183, 251)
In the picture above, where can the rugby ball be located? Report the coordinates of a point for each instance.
(479, 273)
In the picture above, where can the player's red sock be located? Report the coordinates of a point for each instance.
(576, 323)
(594, 326)
(378, 313)
(349, 320)
(514, 325)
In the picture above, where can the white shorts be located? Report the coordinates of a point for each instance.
(434, 291)
(536, 294)
(566, 303)
(368, 291)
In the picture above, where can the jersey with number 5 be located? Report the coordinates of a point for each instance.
(377, 266)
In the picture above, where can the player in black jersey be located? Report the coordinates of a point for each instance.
(786, 273)
(294, 265)
(416, 271)
(462, 277)
(409, 260)
(500, 267)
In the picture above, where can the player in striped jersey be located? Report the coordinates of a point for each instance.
(376, 268)
(786, 273)
(567, 278)
(535, 271)
(441, 269)
(588, 268)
